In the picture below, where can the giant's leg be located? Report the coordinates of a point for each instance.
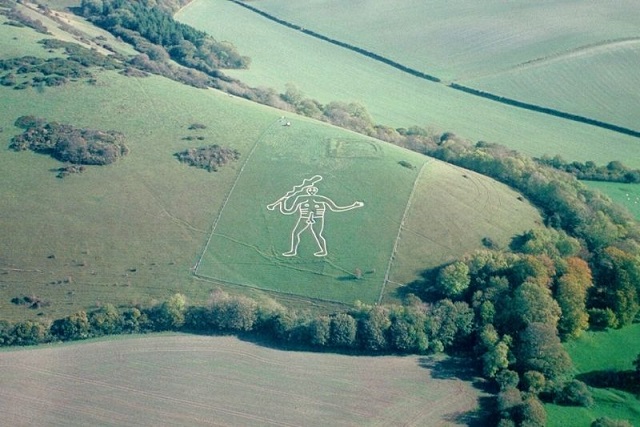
(317, 234)
(300, 226)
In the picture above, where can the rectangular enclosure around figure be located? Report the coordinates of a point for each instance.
(308, 217)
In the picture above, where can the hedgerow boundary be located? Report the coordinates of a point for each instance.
(429, 77)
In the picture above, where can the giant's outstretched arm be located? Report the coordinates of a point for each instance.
(335, 208)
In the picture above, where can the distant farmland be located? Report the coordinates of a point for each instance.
(578, 58)
(193, 380)
(462, 39)
(399, 99)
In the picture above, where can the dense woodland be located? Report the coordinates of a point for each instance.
(509, 308)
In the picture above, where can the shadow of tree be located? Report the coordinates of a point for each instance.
(461, 368)
(628, 381)
(422, 287)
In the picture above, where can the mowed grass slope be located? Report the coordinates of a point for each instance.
(327, 72)
(249, 241)
(134, 231)
(192, 380)
(414, 217)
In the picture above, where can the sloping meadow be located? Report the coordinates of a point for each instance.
(322, 213)
(334, 244)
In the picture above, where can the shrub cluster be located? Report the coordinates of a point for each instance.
(55, 71)
(211, 157)
(19, 19)
(67, 143)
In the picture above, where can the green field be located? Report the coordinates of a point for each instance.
(281, 55)
(597, 351)
(249, 240)
(532, 51)
(606, 89)
(456, 40)
(192, 380)
(627, 195)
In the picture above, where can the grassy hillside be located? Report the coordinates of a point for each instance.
(191, 380)
(249, 240)
(281, 55)
(124, 232)
(453, 209)
(529, 51)
(136, 230)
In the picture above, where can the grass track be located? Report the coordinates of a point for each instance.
(193, 380)
(394, 98)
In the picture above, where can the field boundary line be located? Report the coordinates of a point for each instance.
(230, 192)
(400, 229)
(293, 295)
(454, 86)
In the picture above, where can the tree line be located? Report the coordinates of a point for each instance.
(614, 171)
(150, 27)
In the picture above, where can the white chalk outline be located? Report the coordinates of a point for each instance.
(311, 208)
